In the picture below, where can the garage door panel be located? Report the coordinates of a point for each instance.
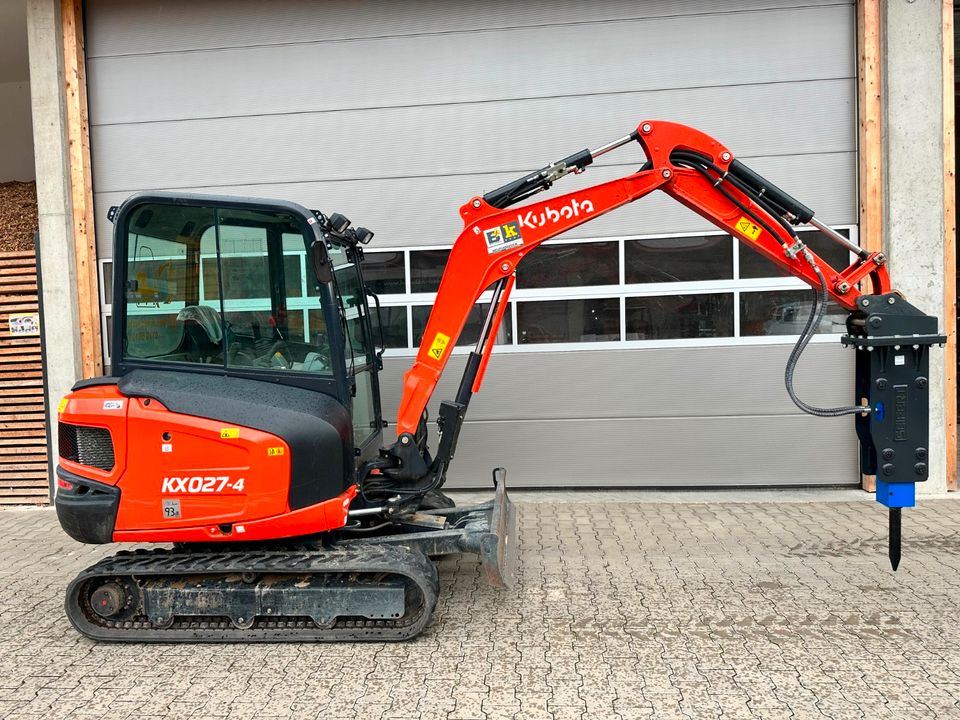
(666, 382)
(459, 139)
(475, 67)
(683, 452)
(407, 212)
(120, 27)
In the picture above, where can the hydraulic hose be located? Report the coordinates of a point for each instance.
(697, 162)
(809, 329)
(773, 206)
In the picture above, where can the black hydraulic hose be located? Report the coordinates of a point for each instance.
(750, 213)
(809, 330)
(689, 157)
(821, 296)
(378, 487)
(764, 187)
(774, 210)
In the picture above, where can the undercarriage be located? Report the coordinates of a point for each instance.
(343, 588)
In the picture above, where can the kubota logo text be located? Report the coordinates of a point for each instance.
(200, 484)
(548, 215)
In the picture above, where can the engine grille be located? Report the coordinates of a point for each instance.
(91, 446)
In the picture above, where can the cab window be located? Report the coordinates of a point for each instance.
(220, 286)
(359, 354)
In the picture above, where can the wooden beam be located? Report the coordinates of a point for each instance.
(949, 245)
(81, 186)
(870, 148)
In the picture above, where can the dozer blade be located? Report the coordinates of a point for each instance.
(488, 529)
(499, 546)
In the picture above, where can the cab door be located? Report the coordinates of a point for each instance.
(360, 353)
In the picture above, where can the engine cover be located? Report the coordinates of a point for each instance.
(200, 457)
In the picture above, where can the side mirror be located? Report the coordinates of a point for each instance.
(320, 262)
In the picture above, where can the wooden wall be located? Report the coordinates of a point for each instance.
(23, 444)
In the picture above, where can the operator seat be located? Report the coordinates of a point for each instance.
(202, 332)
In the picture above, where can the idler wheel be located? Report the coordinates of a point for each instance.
(108, 600)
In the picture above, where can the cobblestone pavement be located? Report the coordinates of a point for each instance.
(625, 610)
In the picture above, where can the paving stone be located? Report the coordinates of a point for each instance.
(759, 609)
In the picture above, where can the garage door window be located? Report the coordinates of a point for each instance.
(663, 317)
(471, 330)
(754, 265)
(662, 290)
(683, 259)
(570, 265)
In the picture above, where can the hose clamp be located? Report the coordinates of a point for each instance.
(556, 171)
(794, 250)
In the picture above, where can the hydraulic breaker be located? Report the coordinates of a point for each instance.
(892, 339)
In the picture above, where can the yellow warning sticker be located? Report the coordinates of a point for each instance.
(439, 345)
(748, 228)
(229, 433)
(63, 405)
(275, 451)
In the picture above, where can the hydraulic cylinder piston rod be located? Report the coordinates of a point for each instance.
(838, 238)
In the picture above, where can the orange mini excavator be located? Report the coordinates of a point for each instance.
(241, 423)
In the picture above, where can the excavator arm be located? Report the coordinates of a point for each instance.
(701, 173)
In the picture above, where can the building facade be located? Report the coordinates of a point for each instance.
(644, 348)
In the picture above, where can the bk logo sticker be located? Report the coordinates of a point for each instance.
(503, 237)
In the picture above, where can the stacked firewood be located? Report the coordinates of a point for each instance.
(18, 215)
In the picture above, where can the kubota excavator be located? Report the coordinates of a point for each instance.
(247, 433)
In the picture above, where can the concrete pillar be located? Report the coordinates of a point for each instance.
(58, 267)
(913, 163)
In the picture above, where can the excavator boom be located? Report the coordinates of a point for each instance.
(495, 239)
(702, 174)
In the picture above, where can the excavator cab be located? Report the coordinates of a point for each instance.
(231, 287)
(243, 390)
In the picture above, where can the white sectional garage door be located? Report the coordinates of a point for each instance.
(645, 349)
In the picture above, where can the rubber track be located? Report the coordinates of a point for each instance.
(374, 560)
